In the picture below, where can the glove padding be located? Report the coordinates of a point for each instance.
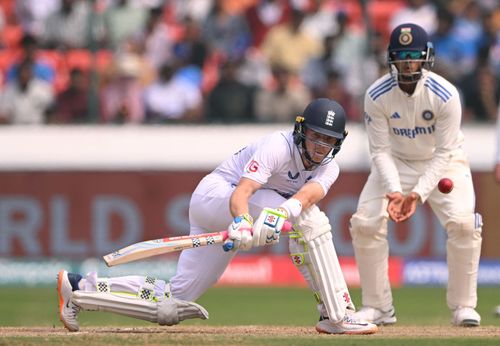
(266, 230)
(239, 234)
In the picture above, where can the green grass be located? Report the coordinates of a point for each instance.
(29, 307)
(240, 306)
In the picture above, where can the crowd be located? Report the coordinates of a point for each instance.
(227, 61)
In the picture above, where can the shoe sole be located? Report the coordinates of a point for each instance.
(469, 323)
(60, 276)
(350, 332)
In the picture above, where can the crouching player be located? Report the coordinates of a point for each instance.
(282, 176)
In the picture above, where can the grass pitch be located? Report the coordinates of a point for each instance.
(245, 316)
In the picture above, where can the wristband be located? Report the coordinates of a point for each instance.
(247, 217)
(292, 206)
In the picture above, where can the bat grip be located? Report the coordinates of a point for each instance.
(287, 227)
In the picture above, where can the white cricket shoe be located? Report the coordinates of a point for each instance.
(466, 317)
(348, 325)
(376, 316)
(68, 310)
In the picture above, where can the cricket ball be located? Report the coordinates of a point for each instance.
(445, 185)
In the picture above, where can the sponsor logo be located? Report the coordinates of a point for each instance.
(395, 115)
(253, 166)
(412, 133)
(330, 117)
(271, 220)
(298, 259)
(293, 176)
(367, 118)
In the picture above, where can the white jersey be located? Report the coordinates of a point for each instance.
(421, 126)
(274, 161)
(498, 137)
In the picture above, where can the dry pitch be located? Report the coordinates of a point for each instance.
(277, 331)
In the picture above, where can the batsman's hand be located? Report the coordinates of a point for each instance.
(239, 234)
(267, 229)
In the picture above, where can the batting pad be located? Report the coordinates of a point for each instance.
(330, 278)
(168, 312)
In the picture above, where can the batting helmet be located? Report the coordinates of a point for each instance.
(323, 116)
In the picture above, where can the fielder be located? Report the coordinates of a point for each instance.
(282, 176)
(412, 118)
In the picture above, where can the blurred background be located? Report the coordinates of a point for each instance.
(113, 110)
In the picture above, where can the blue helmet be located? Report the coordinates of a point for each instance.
(323, 116)
(410, 42)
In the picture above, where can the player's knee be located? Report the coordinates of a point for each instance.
(367, 228)
(464, 227)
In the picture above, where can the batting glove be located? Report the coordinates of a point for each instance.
(239, 234)
(267, 228)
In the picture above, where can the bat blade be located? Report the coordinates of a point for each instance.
(161, 246)
(149, 248)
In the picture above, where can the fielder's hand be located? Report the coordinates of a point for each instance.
(267, 228)
(239, 234)
(396, 200)
(409, 206)
(401, 208)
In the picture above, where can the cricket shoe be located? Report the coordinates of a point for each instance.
(349, 325)
(68, 311)
(376, 316)
(466, 317)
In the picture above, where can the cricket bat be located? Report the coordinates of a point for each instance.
(160, 246)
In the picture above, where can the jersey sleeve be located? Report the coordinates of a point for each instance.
(446, 134)
(377, 129)
(265, 160)
(326, 175)
(498, 137)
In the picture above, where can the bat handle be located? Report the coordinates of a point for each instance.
(287, 227)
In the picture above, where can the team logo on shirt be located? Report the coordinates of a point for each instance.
(330, 116)
(427, 115)
(252, 167)
(405, 37)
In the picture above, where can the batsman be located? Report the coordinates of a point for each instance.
(412, 118)
(280, 177)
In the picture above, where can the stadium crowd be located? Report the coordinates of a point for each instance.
(227, 61)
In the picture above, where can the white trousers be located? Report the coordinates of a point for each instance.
(455, 212)
(198, 269)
